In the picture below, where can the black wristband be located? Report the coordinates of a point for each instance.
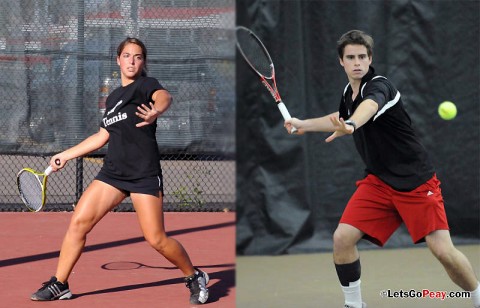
(350, 122)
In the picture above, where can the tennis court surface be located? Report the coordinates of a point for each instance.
(118, 268)
(309, 280)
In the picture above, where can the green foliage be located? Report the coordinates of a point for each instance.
(190, 194)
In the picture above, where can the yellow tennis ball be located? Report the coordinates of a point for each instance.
(447, 110)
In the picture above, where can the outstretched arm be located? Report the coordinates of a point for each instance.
(161, 101)
(92, 143)
(364, 112)
(321, 124)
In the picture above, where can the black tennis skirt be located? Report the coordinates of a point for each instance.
(150, 185)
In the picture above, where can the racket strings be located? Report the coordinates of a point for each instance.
(254, 52)
(30, 190)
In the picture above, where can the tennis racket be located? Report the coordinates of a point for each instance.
(257, 56)
(32, 189)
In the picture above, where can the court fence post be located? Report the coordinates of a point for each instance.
(78, 178)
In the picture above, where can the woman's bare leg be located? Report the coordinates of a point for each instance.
(96, 201)
(150, 215)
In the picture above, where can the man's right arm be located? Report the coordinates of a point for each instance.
(321, 124)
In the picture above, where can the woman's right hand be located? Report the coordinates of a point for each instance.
(57, 162)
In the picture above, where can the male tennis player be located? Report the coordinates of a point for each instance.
(400, 183)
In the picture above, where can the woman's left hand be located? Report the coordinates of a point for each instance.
(149, 115)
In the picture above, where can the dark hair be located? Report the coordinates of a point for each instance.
(133, 40)
(355, 37)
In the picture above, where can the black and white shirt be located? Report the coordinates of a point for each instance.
(132, 151)
(387, 143)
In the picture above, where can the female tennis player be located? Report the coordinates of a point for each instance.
(131, 168)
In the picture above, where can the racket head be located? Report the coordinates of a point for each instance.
(254, 52)
(32, 189)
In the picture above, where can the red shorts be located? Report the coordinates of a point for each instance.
(378, 210)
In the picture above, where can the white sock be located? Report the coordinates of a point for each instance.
(353, 294)
(475, 294)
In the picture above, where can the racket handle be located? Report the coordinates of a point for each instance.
(48, 171)
(286, 115)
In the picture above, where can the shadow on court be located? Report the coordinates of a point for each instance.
(87, 248)
(30, 247)
(218, 289)
(310, 280)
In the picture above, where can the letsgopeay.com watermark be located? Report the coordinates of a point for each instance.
(424, 293)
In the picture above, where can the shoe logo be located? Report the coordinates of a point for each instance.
(429, 193)
(113, 109)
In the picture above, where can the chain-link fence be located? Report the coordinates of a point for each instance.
(58, 62)
(190, 183)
